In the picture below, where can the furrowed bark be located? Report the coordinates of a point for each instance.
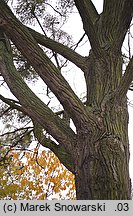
(116, 19)
(85, 7)
(102, 159)
(44, 67)
(89, 9)
(63, 50)
(31, 104)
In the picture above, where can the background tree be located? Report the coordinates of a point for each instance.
(33, 175)
(97, 152)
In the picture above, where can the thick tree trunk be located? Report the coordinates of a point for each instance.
(102, 165)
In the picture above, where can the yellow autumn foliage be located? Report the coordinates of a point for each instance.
(35, 176)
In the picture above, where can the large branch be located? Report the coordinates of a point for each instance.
(64, 156)
(24, 41)
(125, 82)
(89, 16)
(31, 104)
(116, 19)
(63, 50)
(89, 8)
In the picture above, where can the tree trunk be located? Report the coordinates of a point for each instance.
(103, 171)
(102, 165)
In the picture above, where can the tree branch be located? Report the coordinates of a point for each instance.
(63, 50)
(43, 66)
(59, 151)
(89, 7)
(89, 16)
(12, 104)
(16, 130)
(125, 82)
(31, 104)
(116, 24)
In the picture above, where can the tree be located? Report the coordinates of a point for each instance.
(33, 175)
(98, 152)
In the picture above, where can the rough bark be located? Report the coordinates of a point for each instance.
(103, 157)
(98, 153)
(63, 50)
(32, 105)
(43, 66)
